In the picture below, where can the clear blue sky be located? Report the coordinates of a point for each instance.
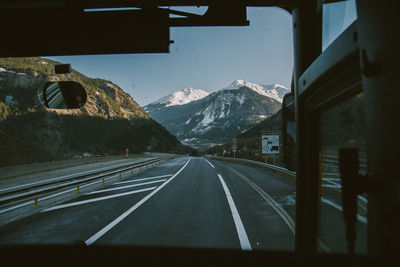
(208, 58)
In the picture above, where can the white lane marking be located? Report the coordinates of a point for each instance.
(123, 187)
(331, 179)
(144, 179)
(209, 163)
(66, 176)
(63, 192)
(244, 240)
(98, 199)
(16, 207)
(332, 182)
(278, 208)
(44, 198)
(335, 174)
(331, 186)
(363, 199)
(107, 228)
(337, 206)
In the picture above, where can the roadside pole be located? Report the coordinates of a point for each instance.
(234, 146)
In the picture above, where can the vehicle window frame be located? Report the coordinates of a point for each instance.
(334, 76)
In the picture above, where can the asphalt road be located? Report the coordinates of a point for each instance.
(185, 202)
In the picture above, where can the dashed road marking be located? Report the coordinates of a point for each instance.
(209, 163)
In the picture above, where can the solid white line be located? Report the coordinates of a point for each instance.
(16, 207)
(331, 186)
(244, 240)
(144, 179)
(209, 163)
(331, 179)
(333, 204)
(363, 199)
(278, 208)
(97, 199)
(332, 182)
(133, 208)
(123, 187)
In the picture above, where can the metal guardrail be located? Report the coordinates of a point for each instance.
(261, 164)
(38, 189)
(326, 160)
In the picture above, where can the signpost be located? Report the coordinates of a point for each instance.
(270, 145)
(234, 146)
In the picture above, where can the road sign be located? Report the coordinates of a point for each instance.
(270, 144)
(234, 144)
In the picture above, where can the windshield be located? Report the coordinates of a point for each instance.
(143, 162)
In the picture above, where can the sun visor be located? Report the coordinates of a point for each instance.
(63, 31)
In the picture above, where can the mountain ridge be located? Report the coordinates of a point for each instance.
(181, 97)
(110, 122)
(216, 118)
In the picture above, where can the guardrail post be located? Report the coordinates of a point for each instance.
(120, 176)
(102, 181)
(77, 189)
(140, 169)
(131, 171)
(36, 203)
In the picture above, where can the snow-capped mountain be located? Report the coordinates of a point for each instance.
(217, 117)
(178, 98)
(274, 91)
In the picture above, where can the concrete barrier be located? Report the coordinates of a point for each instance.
(13, 171)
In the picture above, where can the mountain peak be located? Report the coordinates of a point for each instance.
(274, 91)
(184, 96)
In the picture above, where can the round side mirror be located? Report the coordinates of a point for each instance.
(62, 95)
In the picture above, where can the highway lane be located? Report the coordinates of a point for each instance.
(266, 227)
(77, 223)
(186, 202)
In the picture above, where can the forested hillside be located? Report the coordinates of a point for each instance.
(110, 122)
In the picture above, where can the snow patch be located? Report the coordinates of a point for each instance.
(189, 140)
(11, 71)
(112, 86)
(182, 97)
(241, 99)
(274, 91)
(187, 122)
(263, 116)
(5, 70)
(208, 118)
